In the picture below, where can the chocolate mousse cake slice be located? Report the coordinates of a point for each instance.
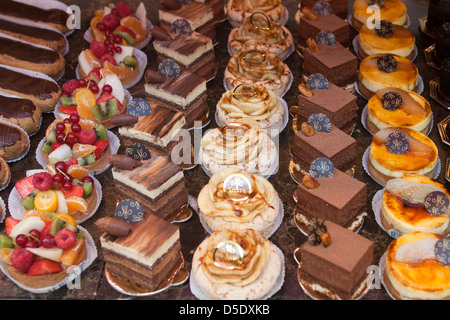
(145, 257)
(335, 102)
(185, 92)
(193, 51)
(346, 257)
(199, 16)
(158, 185)
(339, 7)
(339, 198)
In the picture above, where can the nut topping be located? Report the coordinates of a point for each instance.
(307, 129)
(312, 44)
(309, 182)
(309, 13)
(305, 90)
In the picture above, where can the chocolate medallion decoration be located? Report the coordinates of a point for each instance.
(237, 187)
(228, 255)
(387, 63)
(391, 100)
(326, 38)
(317, 81)
(137, 151)
(322, 8)
(436, 203)
(181, 26)
(260, 21)
(169, 68)
(138, 107)
(321, 168)
(320, 122)
(397, 142)
(129, 210)
(243, 91)
(442, 250)
(386, 29)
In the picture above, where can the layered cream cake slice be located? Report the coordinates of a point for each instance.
(145, 257)
(158, 184)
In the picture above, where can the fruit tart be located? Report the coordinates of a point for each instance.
(65, 187)
(74, 138)
(120, 19)
(112, 54)
(97, 97)
(38, 250)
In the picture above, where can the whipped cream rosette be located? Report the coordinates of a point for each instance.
(241, 144)
(239, 10)
(258, 32)
(256, 102)
(236, 264)
(236, 199)
(258, 68)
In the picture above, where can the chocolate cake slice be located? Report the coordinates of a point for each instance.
(339, 7)
(146, 256)
(218, 8)
(335, 102)
(340, 267)
(158, 185)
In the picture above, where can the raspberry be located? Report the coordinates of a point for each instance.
(65, 239)
(21, 259)
(108, 57)
(87, 137)
(98, 48)
(70, 86)
(123, 9)
(110, 21)
(42, 181)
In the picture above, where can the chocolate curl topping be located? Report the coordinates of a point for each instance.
(114, 226)
(123, 162)
(170, 4)
(160, 34)
(152, 76)
(124, 120)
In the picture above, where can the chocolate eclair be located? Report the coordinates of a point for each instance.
(27, 56)
(53, 17)
(14, 142)
(21, 112)
(42, 92)
(33, 34)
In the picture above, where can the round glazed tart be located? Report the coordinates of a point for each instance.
(239, 10)
(258, 68)
(412, 270)
(421, 157)
(414, 112)
(371, 78)
(401, 42)
(406, 218)
(393, 11)
(264, 36)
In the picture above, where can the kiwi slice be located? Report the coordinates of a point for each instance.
(100, 132)
(90, 159)
(130, 61)
(67, 101)
(47, 147)
(57, 224)
(5, 242)
(105, 110)
(28, 202)
(126, 36)
(92, 77)
(87, 189)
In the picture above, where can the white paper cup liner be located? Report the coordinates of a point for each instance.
(273, 133)
(376, 207)
(3, 121)
(193, 203)
(365, 161)
(30, 73)
(114, 144)
(355, 43)
(142, 62)
(364, 120)
(91, 255)
(195, 290)
(17, 210)
(3, 213)
(88, 36)
(382, 268)
(419, 88)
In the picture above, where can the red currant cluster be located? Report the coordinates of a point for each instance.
(71, 137)
(34, 240)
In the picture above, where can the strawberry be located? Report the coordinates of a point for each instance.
(68, 109)
(46, 229)
(43, 266)
(25, 186)
(95, 72)
(123, 9)
(76, 191)
(56, 145)
(101, 147)
(72, 161)
(10, 223)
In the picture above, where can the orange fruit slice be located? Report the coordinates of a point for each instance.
(91, 59)
(84, 96)
(87, 124)
(66, 218)
(5, 255)
(134, 24)
(46, 201)
(96, 33)
(76, 204)
(77, 171)
(81, 150)
(36, 213)
(121, 71)
(51, 169)
(85, 112)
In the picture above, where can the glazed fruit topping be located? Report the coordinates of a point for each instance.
(42, 181)
(65, 239)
